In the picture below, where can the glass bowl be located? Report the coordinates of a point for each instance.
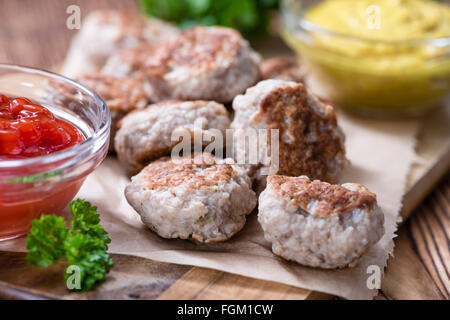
(46, 184)
(366, 76)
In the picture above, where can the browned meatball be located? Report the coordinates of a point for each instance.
(200, 198)
(318, 224)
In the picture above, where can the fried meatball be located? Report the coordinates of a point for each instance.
(318, 224)
(202, 63)
(145, 134)
(129, 61)
(120, 95)
(200, 198)
(282, 69)
(104, 32)
(310, 141)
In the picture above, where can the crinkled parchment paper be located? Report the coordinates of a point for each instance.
(380, 154)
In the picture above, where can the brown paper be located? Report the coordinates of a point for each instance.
(380, 154)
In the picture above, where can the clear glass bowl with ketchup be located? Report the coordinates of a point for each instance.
(53, 133)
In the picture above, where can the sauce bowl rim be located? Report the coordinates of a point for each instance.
(101, 133)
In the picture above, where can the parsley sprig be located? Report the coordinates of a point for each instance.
(85, 245)
(252, 17)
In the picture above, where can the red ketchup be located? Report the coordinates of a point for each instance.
(28, 130)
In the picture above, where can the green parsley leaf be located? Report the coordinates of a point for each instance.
(84, 214)
(85, 245)
(86, 220)
(89, 254)
(45, 242)
(248, 16)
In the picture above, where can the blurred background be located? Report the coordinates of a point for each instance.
(251, 17)
(39, 26)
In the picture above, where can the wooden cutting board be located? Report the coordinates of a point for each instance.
(138, 278)
(418, 271)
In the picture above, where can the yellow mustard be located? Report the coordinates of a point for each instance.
(384, 19)
(381, 54)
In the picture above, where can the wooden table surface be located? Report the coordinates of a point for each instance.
(34, 33)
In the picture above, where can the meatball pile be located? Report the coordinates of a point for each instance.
(167, 89)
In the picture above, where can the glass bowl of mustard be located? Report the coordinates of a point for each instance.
(381, 58)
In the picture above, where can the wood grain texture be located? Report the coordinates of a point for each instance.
(206, 284)
(421, 263)
(131, 278)
(33, 33)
